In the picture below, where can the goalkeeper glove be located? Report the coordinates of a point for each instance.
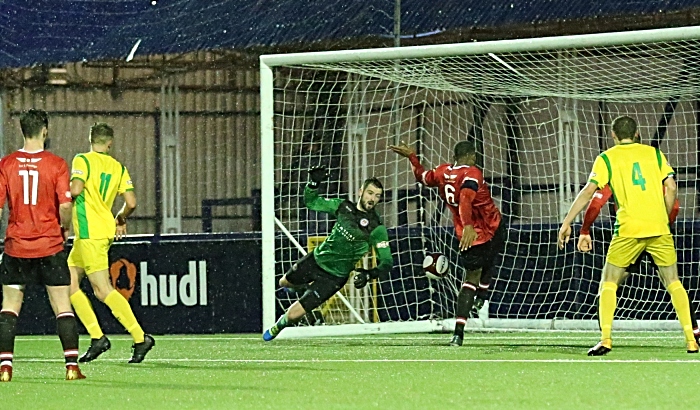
(317, 175)
(362, 276)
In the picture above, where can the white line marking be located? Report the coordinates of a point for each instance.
(514, 337)
(321, 361)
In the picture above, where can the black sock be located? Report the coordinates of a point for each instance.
(67, 329)
(8, 329)
(484, 283)
(693, 318)
(465, 300)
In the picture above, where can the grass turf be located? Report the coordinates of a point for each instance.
(492, 370)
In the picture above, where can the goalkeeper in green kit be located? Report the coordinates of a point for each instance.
(326, 270)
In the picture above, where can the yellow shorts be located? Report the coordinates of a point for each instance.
(90, 254)
(624, 251)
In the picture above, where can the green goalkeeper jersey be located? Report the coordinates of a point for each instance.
(352, 236)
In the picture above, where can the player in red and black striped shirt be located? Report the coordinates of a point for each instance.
(478, 222)
(600, 198)
(34, 183)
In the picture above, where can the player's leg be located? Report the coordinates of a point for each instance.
(66, 327)
(465, 300)
(12, 297)
(97, 271)
(99, 343)
(694, 320)
(691, 304)
(102, 286)
(299, 276)
(482, 291)
(54, 274)
(621, 253)
(662, 249)
(323, 288)
(473, 259)
(496, 247)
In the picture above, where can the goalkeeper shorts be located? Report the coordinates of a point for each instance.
(322, 285)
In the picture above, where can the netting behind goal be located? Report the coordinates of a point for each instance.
(539, 119)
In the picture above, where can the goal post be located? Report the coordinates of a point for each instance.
(539, 110)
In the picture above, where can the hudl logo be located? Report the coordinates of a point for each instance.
(191, 289)
(123, 275)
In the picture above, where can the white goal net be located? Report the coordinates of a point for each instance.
(539, 111)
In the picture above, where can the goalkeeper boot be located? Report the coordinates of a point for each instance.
(476, 307)
(73, 372)
(696, 335)
(5, 373)
(456, 340)
(140, 349)
(97, 347)
(271, 333)
(601, 349)
(692, 347)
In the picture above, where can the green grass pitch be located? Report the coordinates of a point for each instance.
(502, 370)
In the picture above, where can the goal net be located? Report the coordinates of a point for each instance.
(540, 112)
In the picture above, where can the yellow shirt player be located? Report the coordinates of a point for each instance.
(96, 180)
(644, 190)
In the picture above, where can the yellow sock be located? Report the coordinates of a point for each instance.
(83, 308)
(606, 309)
(679, 298)
(122, 311)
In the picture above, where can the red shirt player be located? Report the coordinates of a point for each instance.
(35, 185)
(476, 218)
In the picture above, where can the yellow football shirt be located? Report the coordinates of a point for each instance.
(635, 173)
(104, 178)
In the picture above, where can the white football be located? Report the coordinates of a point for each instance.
(435, 265)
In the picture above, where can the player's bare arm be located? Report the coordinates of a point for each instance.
(65, 213)
(585, 242)
(76, 187)
(127, 209)
(468, 237)
(402, 149)
(582, 199)
(670, 193)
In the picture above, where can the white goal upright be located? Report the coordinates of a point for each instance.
(540, 112)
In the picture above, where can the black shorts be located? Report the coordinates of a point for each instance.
(322, 285)
(49, 270)
(482, 256)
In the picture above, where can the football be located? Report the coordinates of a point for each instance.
(435, 265)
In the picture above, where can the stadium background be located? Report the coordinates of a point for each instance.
(69, 59)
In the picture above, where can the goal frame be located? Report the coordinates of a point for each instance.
(269, 223)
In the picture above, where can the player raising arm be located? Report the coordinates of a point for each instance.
(478, 222)
(34, 183)
(326, 270)
(637, 175)
(96, 180)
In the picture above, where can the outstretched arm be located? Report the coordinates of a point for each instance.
(315, 202)
(426, 178)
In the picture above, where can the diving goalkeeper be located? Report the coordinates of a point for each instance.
(326, 270)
